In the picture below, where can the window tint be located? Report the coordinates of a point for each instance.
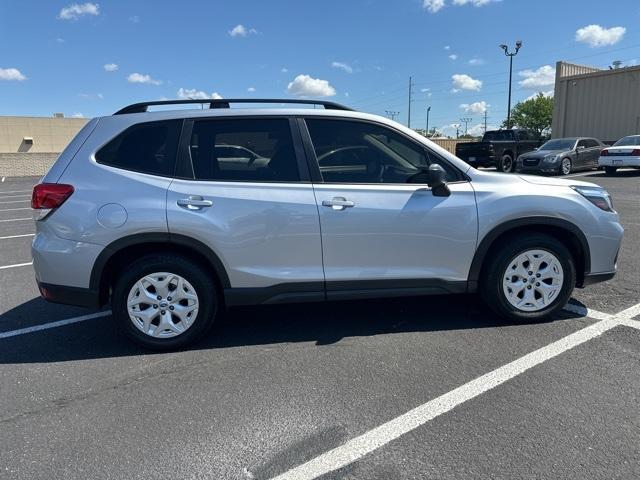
(582, 143)
(146, 147)
(498, 135)
(249, 150)
(361, 152)
(591, 142)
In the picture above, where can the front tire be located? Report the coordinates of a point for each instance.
(164, 301)
(565, 166)
(506, 164)
(610, 170)
(529, 277)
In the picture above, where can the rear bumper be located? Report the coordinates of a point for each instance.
(485, 161)
(613, 161)
(80, 297)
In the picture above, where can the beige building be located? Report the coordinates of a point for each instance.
(29, 145)
(598, 103)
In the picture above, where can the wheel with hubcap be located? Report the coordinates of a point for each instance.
(164, 302)
(506, 164)
(529, 278)
(565, 166)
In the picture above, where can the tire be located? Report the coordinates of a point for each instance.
(565, 166)
(506, 164)
(168, 271)
(610, 170)
(499, 277)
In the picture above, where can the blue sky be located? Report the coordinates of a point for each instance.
(92, 58)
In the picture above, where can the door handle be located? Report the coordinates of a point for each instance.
(194, 202)
(338, 203)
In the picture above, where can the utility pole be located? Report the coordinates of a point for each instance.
(426, 130)
(466, 121)
(457, 125)
(485, 122)
(409, 110)
(510, 55)
(392, 114)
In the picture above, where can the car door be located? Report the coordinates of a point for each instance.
(378, 230)
(594, 152)
(256, 210)
(583, 155)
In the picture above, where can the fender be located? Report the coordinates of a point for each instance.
(489, 238)
(159, 238)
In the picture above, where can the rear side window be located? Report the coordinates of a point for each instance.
(244, 150)
(146, 147)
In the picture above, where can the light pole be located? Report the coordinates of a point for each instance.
(510, 55)
(426, 131)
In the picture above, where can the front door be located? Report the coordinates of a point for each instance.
(379, 229)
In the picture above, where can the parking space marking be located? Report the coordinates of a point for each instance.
(59, 323)
(4, 267)
(3, 196)
(15, 201)
(17, 236)
(14, 209)
(14, 191)
(16, 219)
(360, 446)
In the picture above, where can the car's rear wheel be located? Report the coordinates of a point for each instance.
(565, 166)
(610, 170)
(529, 278)
(164, 302)
(506, 164)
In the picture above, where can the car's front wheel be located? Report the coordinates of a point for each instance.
(565, 166)
(164, 301)
(529, 277)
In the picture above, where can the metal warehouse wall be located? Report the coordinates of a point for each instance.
(596, 103)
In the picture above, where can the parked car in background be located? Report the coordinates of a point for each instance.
(562, 156)
(624, 153)
(498, 148)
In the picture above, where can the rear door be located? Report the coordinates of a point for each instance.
(246, 194)
(380, 230)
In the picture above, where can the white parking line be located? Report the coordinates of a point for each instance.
(3, 196)
(380, 436)
(47, 326)
(17, 219)
(17, 236)
(14, 209)
(16, 201)
(4, 267)
(15, 191)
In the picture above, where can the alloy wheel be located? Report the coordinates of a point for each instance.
(566, 166)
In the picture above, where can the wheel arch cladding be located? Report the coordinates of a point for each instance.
(121, 252)
(566, 232)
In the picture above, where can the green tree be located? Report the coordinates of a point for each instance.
(534, 114)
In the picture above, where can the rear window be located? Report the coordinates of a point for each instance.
(498, 135)
(146, 147)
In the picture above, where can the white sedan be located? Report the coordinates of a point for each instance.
(624, 153)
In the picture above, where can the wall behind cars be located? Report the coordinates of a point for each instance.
(30, 145)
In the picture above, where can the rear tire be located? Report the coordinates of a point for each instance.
(610, 170)
(506, 164)
(525, 290)
(164, 301)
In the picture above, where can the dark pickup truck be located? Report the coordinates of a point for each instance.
(498, 148)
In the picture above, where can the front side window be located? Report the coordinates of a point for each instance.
(361, 152)
(243, 150)
(146, 147)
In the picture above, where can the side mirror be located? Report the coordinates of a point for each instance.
(437, 181)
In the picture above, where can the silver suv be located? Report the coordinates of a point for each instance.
(173, 215)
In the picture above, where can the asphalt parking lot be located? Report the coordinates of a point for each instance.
(431, 387)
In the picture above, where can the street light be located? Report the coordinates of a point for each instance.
(510, 55)
(426, 131)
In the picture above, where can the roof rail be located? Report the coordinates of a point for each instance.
(225, 103)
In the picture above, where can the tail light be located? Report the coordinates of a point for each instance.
(47, 196)
(604, 153)
(636, 152)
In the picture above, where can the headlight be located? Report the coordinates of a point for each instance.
(598, 196)
(550, 158)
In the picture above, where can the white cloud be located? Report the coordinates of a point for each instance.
(91, 96)
(77, 10)
(453, 56)
(597, 36)
(447, 47)
(142, 78)
(110, 67)
(242, 31)
(433, 5)
(465, 82)
(60, 40)
(134, 19)
(77, 115)
(192, 93)
(548, 94)
(478, 129)
(476, 61)
(342, 66)
(475, 3)
(542, 77)
(304, 85)
(11, 74)
(251, 89)
(284, 70)
(475, 107)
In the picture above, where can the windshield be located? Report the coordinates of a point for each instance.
(630, 140)
(559, 144)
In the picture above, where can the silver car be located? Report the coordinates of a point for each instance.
(145, 211)
(562, 156)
